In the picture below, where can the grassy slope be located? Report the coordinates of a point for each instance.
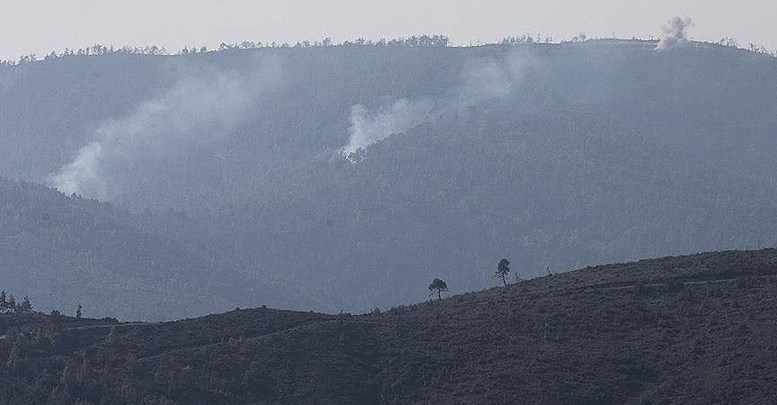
(692, 329)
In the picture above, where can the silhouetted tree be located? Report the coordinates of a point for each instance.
(78, 311)
(3, 301)
(502, 269)
(438, 286)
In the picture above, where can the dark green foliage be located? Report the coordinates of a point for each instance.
(438, 286)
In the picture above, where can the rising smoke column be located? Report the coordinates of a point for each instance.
(83, 175)
(367, 128)
(675, 34)
(481, 80)
(200, 109)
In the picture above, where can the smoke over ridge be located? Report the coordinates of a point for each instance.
(481, 80)
(367, 128)
(675, 34)
(199, 110)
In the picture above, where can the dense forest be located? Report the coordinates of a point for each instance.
(347, 177)
(66, 250)
(685, 330)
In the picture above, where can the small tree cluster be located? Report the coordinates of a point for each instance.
(429, 41)
(94, 50)
(9, 304)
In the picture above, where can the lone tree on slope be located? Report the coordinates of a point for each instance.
(502, 269)
(438, 286)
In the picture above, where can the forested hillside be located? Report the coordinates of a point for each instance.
(347, 177)
(62, 251)
(684, 330)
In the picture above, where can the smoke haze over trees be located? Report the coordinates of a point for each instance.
(226, 171)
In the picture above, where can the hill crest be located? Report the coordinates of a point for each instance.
(692, 329)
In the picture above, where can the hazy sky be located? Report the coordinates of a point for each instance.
(41, 26)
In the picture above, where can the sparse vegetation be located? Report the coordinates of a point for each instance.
(578, 337)
(9, 304)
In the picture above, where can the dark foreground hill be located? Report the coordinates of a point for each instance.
(692, 330)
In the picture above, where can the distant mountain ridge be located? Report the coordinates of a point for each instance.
(554, 155)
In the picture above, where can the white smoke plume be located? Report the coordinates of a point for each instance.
(83, 173)
(486, 79)
(675, 34)
(481, 80)
(200, 109)
(367, 128)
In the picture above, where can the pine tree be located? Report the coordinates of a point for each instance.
(502, 269)
(438, 286)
